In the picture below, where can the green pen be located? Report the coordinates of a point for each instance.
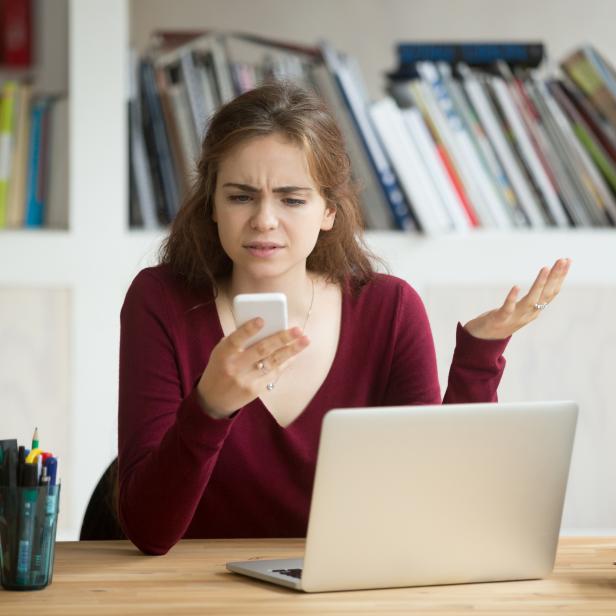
(27, 515)
(35, 440)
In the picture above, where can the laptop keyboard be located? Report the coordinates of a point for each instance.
(295, 573)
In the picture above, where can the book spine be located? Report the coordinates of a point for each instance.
(490, 123)
(576, 157)
(474, 54)
(161, 140)
(7, 105)
(17, 186)
(533, 163)
(375, 209)
(357, 107)
(16, 26)
(194, 90)
(408, 165)
(435, 169)
(490, 198)
(34, 205)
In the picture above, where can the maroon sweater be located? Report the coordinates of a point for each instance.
(184, 474)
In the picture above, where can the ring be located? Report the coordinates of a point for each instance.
(261, 366)
(539, 306)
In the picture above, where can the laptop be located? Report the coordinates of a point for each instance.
(424, 495)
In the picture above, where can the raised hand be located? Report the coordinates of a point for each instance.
(514, 314)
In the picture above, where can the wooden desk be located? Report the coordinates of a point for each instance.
(112, 577)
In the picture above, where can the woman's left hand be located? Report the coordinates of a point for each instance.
(513, 315)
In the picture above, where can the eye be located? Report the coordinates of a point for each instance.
(238, 198)
(294, 202)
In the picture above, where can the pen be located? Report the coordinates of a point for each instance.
(35, 441)
(51, 502)
(26, 524)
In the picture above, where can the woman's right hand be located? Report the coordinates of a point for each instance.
(233, 376)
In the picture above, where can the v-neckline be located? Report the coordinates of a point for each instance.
(341, 333)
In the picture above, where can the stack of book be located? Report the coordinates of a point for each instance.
(33, 158)
(482, 135)
(474, 136)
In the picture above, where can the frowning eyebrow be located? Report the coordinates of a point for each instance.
(280, 189)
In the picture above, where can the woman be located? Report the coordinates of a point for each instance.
(218, 439)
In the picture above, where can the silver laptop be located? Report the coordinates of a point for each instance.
(422, 495)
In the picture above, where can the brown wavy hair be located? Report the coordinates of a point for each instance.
(193, 249)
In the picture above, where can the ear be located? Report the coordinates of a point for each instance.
(329, 216)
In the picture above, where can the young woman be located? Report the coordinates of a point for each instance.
(219, 439)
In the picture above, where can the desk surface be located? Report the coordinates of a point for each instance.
(113, 577)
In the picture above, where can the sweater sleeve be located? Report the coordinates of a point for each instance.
(476, 369)
(167, 446)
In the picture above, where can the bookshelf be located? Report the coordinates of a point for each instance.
(458, 276)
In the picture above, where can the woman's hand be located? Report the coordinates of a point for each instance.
(236, 375)
(511, 316)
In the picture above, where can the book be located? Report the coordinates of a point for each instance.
(567, 173)
(157, 142)
(374, 206)
(56, 211)
(422, 97)
(143, 200)
(36, 184)
(532, 162)
(495, 172)
(358, 112)
(16, 33)
(16, 203)
(593, 147)
(589, 179)
(7, 133)
(483, 53)
(531, 213)
(435, 169)
(409, 167)
(584, 74)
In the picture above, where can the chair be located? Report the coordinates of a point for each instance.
(100, 521)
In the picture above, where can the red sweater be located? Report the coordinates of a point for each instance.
(184, 474)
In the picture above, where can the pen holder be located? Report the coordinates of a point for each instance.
(28, 521)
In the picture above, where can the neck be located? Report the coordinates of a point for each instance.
(296, 285)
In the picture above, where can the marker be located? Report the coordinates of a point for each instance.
(35, 441)
(51, 505)
(27, 514)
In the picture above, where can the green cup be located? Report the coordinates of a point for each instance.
(28, 522)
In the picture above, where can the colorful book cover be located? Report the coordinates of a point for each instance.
(7, 105)
(35, 199)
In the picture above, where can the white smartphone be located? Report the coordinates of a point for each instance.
(271, 307)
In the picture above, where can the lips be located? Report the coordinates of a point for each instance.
(263, 249)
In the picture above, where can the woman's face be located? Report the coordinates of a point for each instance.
(268, 210)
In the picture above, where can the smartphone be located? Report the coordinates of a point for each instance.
(271, 307)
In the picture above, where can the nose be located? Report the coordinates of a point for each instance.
(264, 217)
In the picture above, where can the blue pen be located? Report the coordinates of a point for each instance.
(46, 564)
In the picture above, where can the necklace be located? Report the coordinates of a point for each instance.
(271, 385)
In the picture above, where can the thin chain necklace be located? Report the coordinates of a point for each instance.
(271, 385)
